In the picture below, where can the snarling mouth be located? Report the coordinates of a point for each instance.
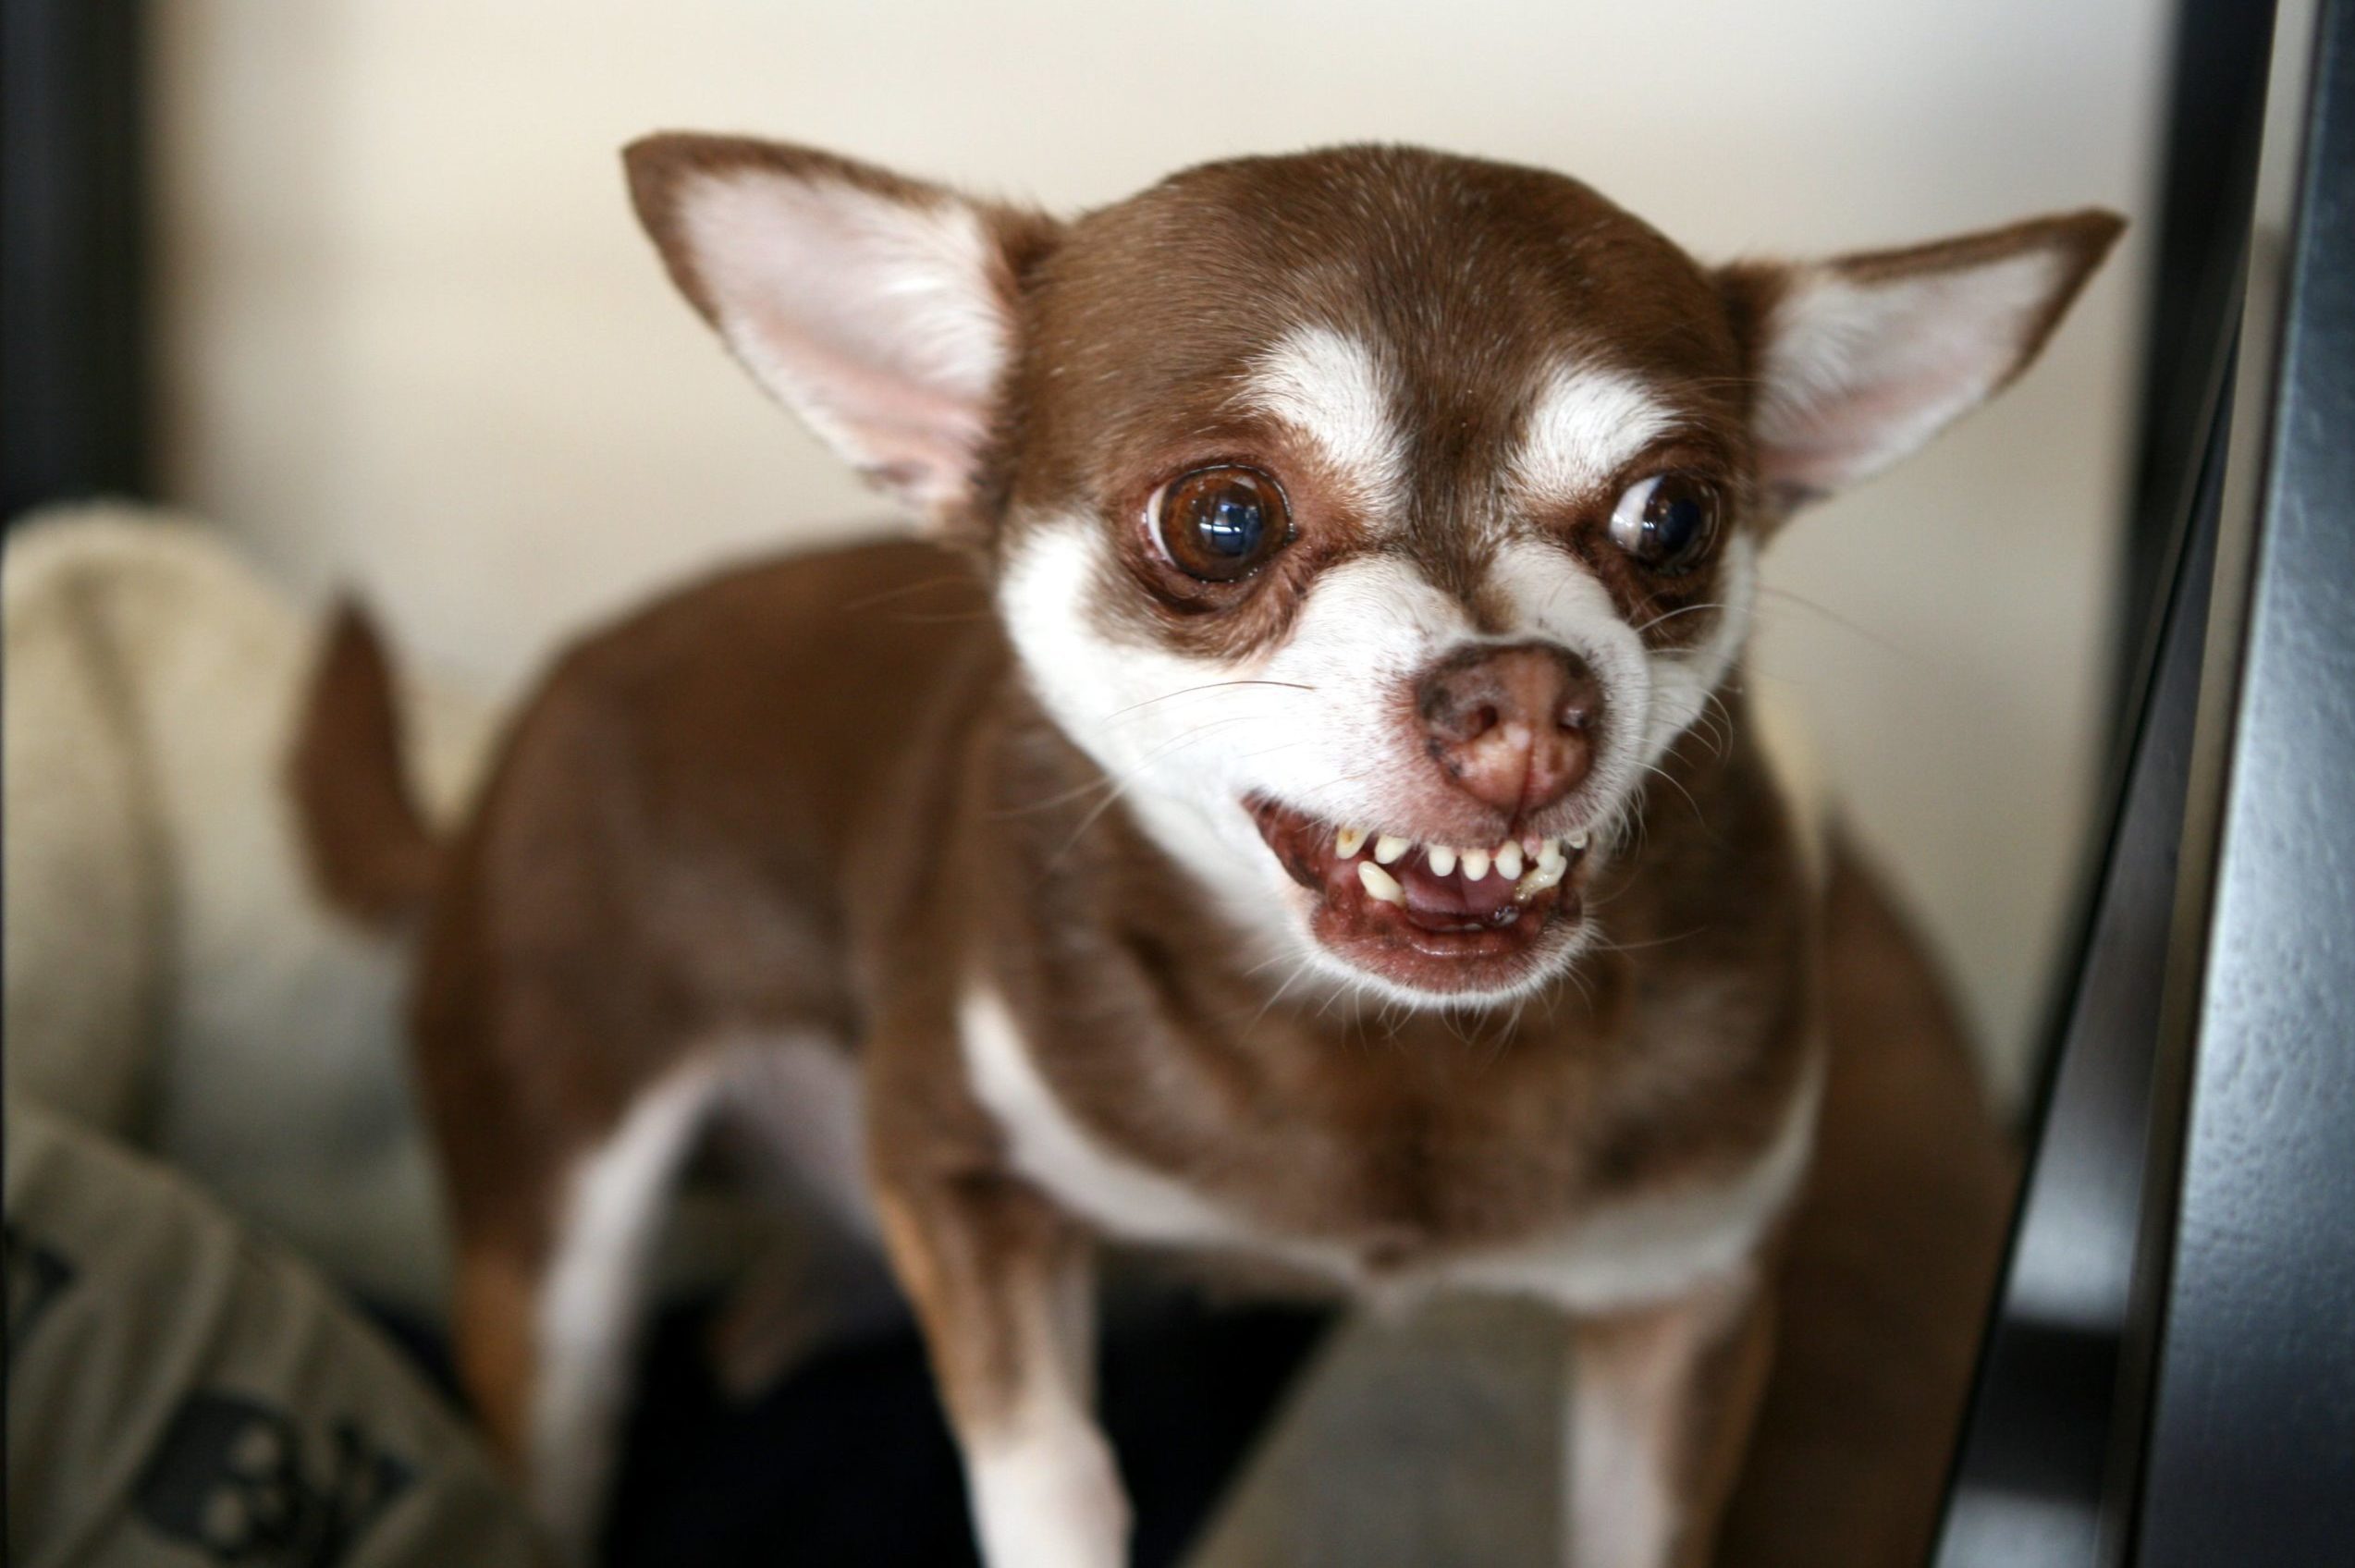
(1430, 917)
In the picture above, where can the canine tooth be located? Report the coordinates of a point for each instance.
(1476, 865)
(1348, 841)
(1390, 846)
(1539, 880)
(1442, 860)
(1576, 839)
(1552, 855)
(1380, 884)
(1534, 847)
(1508, 861)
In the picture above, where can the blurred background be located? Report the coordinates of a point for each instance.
(353, 284)
(405, 336)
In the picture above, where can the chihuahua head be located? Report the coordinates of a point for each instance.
(1375, 519)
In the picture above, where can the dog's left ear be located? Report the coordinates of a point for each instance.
(1862, 359)
(881, 310)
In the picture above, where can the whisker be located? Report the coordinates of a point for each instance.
(1681, 609)
(1206, 686)
(1265, 964)
(1048, 802)
(1603, 946)
(1878, 638)
(1121, 786)
(962, 618)
(1678, 786)
(905, 590)
(1724, 718)
(1299, 968)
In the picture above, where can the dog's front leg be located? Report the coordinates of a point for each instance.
(1004, 1285)
(1661, 1402)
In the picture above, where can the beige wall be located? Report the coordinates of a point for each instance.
(414, 340)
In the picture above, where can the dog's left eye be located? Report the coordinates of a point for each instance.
(1220, 524)
(1666, 521)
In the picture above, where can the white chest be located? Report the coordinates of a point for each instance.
(1646, 1248)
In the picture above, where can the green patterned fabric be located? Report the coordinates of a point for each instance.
(181, 1394)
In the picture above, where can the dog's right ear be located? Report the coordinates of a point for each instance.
(882, 310)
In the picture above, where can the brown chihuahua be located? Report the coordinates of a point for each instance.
(1298, 801)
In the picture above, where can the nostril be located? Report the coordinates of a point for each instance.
(1513, 725)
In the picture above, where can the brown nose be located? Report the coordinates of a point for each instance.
(1514, 726)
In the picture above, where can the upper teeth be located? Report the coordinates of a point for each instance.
(1544, 860)
(1546, 874)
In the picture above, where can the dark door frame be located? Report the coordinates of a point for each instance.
(75, 383)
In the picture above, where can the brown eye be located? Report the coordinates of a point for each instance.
(1666, 521)
(1220, 524)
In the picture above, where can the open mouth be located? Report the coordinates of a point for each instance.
(1433, 917)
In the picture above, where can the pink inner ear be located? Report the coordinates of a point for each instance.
(902, 433)
(1859, 376)
(874, 317)
(1845, 438)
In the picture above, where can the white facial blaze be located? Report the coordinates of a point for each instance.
(1587, 424)
(1555, 598)
(1332, 389)
(1312, 723)
(1683, 681)
(1323, 720)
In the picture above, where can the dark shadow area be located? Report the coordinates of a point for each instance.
(848, 1460)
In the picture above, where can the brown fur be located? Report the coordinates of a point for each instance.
(1478, 278)
(363, 835)
(1885, 1269)
(1406, 1142)
(813, 797)
(566, 964)
(1416, 1135)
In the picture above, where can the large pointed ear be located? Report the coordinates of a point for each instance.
(1862, 359)
(880, 309)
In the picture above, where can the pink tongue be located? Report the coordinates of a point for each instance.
(1450, 894)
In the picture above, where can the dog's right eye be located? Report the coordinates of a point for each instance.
(1220, 524)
